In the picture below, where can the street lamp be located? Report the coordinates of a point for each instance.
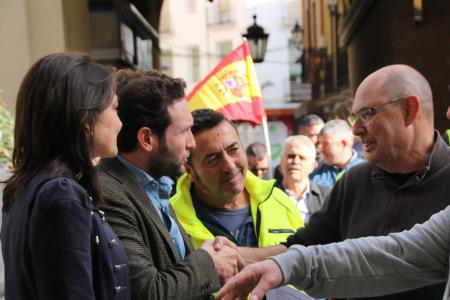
(257, 40)
(297, 37)
(296, 69)
(297, 34)
(332, 4)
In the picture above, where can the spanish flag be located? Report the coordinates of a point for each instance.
(231, 88)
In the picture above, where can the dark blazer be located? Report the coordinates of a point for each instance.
(316, 197)
(157, 271)
(57, 246)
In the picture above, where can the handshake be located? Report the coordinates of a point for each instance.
(226, 257)
(259, 275)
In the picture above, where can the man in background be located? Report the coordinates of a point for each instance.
(336, 147)
(298, 160)
(309, 125)
(258, 161)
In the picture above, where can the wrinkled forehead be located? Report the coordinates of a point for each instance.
(369, 94)
(327, 137)
(312, 130)
(221, 136)
(253, 161)
(298, 148)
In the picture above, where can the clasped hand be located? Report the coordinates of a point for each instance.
(226, 257)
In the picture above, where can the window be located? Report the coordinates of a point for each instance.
(127, 44)
(195, 64)
(191, 6)
(224, 48)
(144, 54)
(166, 62)
(219, 12)
(292, 12)
(164, 21)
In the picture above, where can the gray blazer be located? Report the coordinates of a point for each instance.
(157, 271)
(316, 197)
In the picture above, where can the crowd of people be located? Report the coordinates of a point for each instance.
(118, 191)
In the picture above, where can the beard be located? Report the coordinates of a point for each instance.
(165, 163)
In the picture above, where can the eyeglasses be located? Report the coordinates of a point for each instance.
(367, 113)
(257, 170)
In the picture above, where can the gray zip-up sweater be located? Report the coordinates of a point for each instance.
(373, 266)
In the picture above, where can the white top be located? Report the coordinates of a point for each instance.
(301, 202)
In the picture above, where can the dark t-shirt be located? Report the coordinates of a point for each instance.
(235, 224)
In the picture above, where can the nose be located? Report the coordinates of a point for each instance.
(297, 159)
(358, 128)
(228, 163)
(190, 141)
(319, 147)
(448, 113)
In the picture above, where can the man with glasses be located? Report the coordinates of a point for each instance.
(403, 182)
(258, 160)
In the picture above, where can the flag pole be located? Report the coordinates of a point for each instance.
(267, 142)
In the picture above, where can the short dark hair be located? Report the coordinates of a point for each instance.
(60, 94)
(256, 149)
(205, 119)
(305, 121)
(144, 98)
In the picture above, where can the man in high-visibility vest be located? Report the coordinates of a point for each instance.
(219, 196)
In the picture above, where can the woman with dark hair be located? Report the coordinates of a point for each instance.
(56, 244)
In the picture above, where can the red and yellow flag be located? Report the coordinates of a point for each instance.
(231, 88)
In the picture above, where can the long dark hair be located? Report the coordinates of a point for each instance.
(59, 99)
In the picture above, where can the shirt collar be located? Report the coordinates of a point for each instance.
(292, 195)
(144, 179)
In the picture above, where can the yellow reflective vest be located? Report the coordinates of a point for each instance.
(447, 136)
(274, 214)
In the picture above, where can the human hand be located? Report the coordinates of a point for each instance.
(227, 260)
(221, 241)
(256, 278)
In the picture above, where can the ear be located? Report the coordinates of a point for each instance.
(410, 110)
(88, 131)
(316, 163)
(190, 171)
(146, 139)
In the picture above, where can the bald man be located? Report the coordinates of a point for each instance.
(356, 267)
(403, 182)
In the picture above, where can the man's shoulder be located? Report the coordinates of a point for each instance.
(322, 167)
(112, 173)
(118, 185)
(319, 189)
(361, 167)
(355, 160)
